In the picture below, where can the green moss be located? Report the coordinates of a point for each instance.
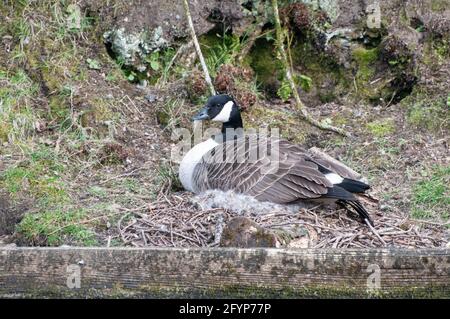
(431, 195)
(267, 68)
(59, 108)
(238, 291)
(382, 127)
(439, 5)
(102, 110)
(317, 70)
(99, 115)
(365, 58)
(367, 64)
(327, 96)
(340, 120)
(442, 47)
(427, 111)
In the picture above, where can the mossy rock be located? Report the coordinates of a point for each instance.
(329, 80)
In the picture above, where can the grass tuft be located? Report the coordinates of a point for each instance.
(57, 227)
(431, 195)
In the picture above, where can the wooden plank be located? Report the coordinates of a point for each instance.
(223, 272)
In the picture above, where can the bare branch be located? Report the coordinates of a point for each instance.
(197, 48)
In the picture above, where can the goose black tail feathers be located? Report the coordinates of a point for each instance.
(353, 186)
(358, 207)
(348, 201)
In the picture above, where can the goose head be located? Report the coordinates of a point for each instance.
(221, 108)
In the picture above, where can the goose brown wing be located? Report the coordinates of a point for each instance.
(315, 155)
(263, 167)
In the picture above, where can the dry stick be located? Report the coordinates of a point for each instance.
(197, 48)
(375, 232)
(283, 56)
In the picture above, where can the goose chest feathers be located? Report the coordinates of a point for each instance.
(266, 168)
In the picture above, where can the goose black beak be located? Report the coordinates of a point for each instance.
(201, 115)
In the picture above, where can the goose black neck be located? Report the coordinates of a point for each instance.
(234, 123)
(230, 130)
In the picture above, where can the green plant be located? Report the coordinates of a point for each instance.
(131, 75)
(169, 114)
(285, 91)
(222, 52)
(93, 64)
(73, 19)
(153, 61)
(168, 177)
(39, 175)
(21, 29)
(420, 28)
(305, 82)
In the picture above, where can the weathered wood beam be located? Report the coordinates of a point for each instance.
(223, 272)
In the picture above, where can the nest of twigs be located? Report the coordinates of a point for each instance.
(173, 220)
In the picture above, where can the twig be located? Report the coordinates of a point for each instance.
(392, 99)
(284, 59)
(430, 222)
(120, 176)
(176, 220)
(197, 48)
(375, 232)
(219, 230)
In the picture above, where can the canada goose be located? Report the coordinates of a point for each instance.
(298, 174)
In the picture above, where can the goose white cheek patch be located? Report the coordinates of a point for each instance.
(224, 115)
